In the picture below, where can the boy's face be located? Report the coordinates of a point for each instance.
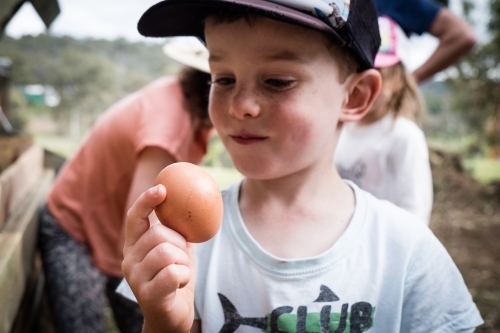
(276, 96)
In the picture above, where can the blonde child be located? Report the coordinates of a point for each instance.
(385, 153)
(300, 250)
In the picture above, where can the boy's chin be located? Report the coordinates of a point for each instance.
(260, 171)
(253, 170)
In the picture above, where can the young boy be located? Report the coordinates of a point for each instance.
(300, 250)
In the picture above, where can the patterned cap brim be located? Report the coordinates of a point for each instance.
(185, 17)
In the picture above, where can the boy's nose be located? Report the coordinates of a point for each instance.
(244, 104)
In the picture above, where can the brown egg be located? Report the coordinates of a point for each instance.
(193, 206)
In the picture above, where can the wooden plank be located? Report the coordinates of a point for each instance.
(53, 160)
(28, 169)
(18, 179)
(17, 248)
(26, 317)
(11, 147)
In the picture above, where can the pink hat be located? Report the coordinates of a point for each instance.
(393, 46)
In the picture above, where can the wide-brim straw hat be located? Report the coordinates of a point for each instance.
(188, 51)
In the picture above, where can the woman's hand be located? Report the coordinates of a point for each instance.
(159, 267)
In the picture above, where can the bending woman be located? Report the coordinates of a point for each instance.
(82, 224)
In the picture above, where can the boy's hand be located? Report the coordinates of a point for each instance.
(158, 264)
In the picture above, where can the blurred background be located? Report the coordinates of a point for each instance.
(63, 77)
(56, 81)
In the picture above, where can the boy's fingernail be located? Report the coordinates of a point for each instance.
(154, 190)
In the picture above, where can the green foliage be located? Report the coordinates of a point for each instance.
(477, 87)
(223, 176)
(434, 104)
(494, 24)
(217, 155)
(85, 82)
(18, 117)
(484, 170)
(467, 7)
(88, 74)
(17, 100)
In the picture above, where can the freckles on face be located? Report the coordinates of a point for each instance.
(268, 84)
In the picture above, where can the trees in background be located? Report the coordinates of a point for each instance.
(89, 75)
(86, 84)
(476, 88)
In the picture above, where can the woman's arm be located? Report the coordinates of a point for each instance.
(151, 161)
(456, 39)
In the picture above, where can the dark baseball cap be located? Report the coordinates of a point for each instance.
(349, 23)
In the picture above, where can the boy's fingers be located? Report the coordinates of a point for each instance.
(137, 217)
(161, 256)
(156, 235)
(169, 279)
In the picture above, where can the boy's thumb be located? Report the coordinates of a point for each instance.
(137, 221)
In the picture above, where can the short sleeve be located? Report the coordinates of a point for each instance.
(414, 16)
(163, 121)
(436, 298)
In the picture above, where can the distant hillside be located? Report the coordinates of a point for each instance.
(35, 57)
(88, 74)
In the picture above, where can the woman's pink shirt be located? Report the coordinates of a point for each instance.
(90, 193)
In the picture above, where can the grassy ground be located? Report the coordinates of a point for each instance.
(223, 176)
(64, 146)
(484, 170)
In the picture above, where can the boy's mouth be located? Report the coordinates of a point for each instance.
(247, 139)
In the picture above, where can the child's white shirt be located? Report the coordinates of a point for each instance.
(389, 159)
(386, 273)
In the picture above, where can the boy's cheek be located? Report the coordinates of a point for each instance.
(215, 117)
(219, 113)
(214, 112)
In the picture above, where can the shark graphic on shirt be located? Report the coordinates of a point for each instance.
(281, 319)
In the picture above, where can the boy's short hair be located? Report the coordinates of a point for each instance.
(350, 24)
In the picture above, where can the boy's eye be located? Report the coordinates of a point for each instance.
(279, 83)
(223, 81)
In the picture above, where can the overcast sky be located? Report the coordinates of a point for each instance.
(110, 19)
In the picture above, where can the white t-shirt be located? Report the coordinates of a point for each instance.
(386, 273)
(389, 159)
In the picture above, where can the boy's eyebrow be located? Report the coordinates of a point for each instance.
(284, 55)
(279, 56)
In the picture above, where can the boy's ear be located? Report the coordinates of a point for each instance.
(362, 90)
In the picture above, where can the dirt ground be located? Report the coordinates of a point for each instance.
(466, 218)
